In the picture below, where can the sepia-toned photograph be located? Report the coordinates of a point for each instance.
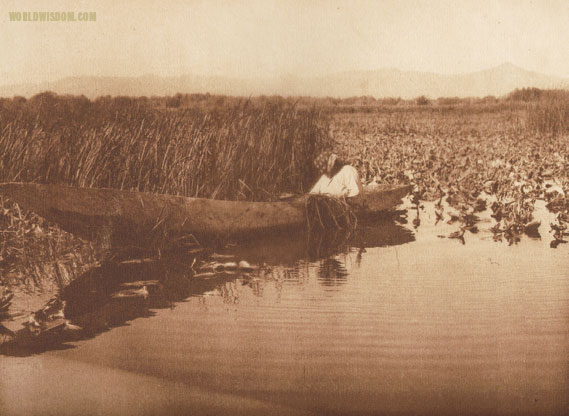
(284, 207)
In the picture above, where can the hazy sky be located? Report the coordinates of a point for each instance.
(275, 38)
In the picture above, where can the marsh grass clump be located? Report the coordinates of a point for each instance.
(32, 251)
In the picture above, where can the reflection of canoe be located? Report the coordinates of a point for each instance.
(289, 248)
(132, 216)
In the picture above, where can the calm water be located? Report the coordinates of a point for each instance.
(412, 324)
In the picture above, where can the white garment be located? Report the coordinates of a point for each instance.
(345, 183)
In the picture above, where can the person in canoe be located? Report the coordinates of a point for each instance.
(339, 179)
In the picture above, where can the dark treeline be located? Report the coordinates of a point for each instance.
(105, 104)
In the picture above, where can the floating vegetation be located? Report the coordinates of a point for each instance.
(474, 161)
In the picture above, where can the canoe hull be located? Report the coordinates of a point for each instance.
(123, 216)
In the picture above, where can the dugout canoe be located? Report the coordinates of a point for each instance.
(128, 216)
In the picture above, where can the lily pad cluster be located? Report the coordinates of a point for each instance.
(473, 162)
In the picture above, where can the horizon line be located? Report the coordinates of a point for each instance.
(284, 75)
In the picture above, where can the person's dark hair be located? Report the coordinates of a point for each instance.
(338, 164)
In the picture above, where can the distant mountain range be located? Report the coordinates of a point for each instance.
(380, 83)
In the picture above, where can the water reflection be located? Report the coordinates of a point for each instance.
(114, 294)
(289, 249)
(117, 292)
(332, 272)
(108, 296)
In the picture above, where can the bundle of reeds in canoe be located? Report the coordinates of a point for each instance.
(328, 213)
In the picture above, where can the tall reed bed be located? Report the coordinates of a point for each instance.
(549, 116)
(232, 152)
